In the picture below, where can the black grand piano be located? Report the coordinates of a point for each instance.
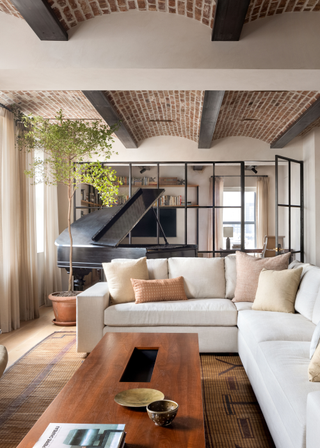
(97, 237)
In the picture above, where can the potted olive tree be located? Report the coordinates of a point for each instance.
(67, 145)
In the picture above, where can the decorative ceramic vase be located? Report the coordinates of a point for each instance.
(64, 309)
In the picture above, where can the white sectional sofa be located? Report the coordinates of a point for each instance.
(274, 347)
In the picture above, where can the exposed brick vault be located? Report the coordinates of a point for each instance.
(153, 113)
(72, 12)
(261, 115)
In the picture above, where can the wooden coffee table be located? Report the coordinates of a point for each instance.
(89, 396)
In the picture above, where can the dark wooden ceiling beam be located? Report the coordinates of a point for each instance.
(308, 117)
(41, 18)
(99, 101)
(210, 113)
(229, 19)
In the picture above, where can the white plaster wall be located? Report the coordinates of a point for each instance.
(168, 148)
(149, 50)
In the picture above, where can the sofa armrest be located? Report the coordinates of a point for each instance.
(91, 304)
(313, 419)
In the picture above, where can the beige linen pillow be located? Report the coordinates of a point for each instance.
(118, 277)
(248, 271)
(277, 290)
(314, 366)
(158, 290)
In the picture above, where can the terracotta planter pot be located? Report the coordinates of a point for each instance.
(64, 309)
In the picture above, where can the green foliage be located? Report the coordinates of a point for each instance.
(63, 143)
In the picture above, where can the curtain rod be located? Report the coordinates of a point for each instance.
(246, 175)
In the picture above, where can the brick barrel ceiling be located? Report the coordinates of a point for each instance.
(261, 115)
(72, 12)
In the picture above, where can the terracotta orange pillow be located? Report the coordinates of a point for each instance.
(248, 271)
(158, 290)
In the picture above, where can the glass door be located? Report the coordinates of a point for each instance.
(289, 207)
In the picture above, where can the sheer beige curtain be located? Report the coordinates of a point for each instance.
(262, 210)
(18, 251)
(52, 274)
(218, 191)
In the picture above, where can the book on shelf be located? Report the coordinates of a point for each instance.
(75, 435)
(137, 181)
(168, 200)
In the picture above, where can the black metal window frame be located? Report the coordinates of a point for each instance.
(289, 205)
(254, 222)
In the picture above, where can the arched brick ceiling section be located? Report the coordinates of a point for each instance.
(47, 103)
(155, 113)
(72, 12)
(261, 115)
(7, 7)
(259, 9)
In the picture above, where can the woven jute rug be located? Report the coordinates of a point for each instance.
(232, 416)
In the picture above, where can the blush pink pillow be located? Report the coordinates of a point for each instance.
(158, 290)
(248, 271)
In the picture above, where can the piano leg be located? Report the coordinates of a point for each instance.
(78, 278)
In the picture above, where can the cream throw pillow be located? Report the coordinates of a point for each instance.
(277, 290)
(248, 270)
(118, 277)
(314, 366)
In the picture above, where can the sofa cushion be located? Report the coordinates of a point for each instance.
(118, 276)
(157, 267)
(284, 370)
(261, 326)
(243, 306)
(203, 277)
(158, 290)
(277, 290)
(315, 340)
(231, 275)
(192, 312)
(248, 271)
(308, 290)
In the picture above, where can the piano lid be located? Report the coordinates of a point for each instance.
(110, 225)
(114, 231)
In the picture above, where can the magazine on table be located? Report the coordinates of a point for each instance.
(78, 435)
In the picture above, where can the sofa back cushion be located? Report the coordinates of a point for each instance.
(308, 290)
(316, 310)
(203, 277)
(157, 267)
(231, 275)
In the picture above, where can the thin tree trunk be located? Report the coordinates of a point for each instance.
(70, 235)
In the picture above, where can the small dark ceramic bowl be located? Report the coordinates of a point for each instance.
(162, 412)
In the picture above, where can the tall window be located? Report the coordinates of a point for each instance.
(232, 217)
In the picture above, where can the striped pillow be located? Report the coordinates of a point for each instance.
(158, 290)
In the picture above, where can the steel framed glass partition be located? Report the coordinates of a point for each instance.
(289, 202)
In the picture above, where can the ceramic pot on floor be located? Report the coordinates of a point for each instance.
(64, 309)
